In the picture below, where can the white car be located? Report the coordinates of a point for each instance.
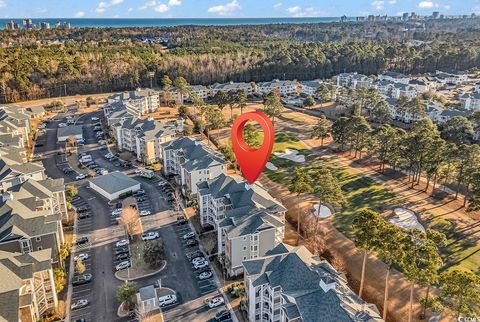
(150, 236)
(201, 264)
(81, 256)
(42, 126)
(122, 265)
(62, 124)
(121, 243)
(216, 301)
(117, 212)
(145, 213)
(167, 300)
(79, 304)
(108, 155)
(205, 275)
(198, 259)
(94, 118)
(189, 235)
(81, 176)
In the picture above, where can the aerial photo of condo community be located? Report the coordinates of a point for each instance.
(121, 198)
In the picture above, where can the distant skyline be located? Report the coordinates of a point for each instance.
(227, 8)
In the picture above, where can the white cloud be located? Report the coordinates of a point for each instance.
(295, 9)
(2, 4)
(79, 14)
(102, 5)
(161, 8)
(130, 9)
(277, 5)
(226, 8)
(476, 9)
(446, 7)
(427, 5)
(378, 4)
(392, 2)
(148, 5)
(172, 3)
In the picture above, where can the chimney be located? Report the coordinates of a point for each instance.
(247, 186)
(327, 284)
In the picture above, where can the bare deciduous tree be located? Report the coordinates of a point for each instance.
(130, 219)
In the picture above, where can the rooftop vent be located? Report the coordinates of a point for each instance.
(327, 285)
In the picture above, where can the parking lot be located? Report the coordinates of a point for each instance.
(84, 226)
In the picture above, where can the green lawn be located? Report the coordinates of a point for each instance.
(360, 191)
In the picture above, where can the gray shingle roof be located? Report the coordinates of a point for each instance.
(69, 130)
(300, 276)
(253, 221)
(114, 182)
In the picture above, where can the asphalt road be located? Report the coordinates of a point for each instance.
(103, 233)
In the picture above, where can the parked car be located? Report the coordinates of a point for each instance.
(60, 125)
(82, 279)
(194, 254)
(145, 213)
(82, 209)
(123, 256)
(81, 240)
(81, 320)
(205, 275)
(79, 304)
(121, 250)
(223, 315)
(150, 236)
(216, 301)
(167, 300)
(123, 265)
(197, 259)
(200, 264)
(181, 220)
(84, 215)
(189, 235)
(81, 176)
(122, 243)
(94, 118)
(82, 256)
(67, 170)
(192, 242)
(117, 212)
(97, 128)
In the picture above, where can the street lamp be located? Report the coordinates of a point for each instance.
(151, 74)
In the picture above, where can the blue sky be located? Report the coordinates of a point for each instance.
(226, 8)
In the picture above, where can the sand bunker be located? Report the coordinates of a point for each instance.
(270, 166)
(292, 155)
(406, 219)
(325, 212)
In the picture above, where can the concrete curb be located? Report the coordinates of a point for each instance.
(143, 276)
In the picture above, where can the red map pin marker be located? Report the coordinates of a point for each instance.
(252, 160)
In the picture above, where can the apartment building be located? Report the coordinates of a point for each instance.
(281, 87)
(231, 87)
(470, 101)
(191, 162)
(27, 288)
(291, 284)
(30, 217)
(16, 173)
(394, 77)
(141, 101)
(451, 77)
(395, 90)
(353, 80)
(310, 87)
(14, 121)
(244, 235)
(117, 112)
(143, 137)
(201, 91)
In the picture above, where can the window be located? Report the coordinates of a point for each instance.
(244, 257)
(39, 248)
(244, 248)
(244, 238)
(38, 239)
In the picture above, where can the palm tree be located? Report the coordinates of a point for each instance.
(368, 226)
(125, 294)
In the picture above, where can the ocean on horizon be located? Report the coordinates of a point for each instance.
(170, 22)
